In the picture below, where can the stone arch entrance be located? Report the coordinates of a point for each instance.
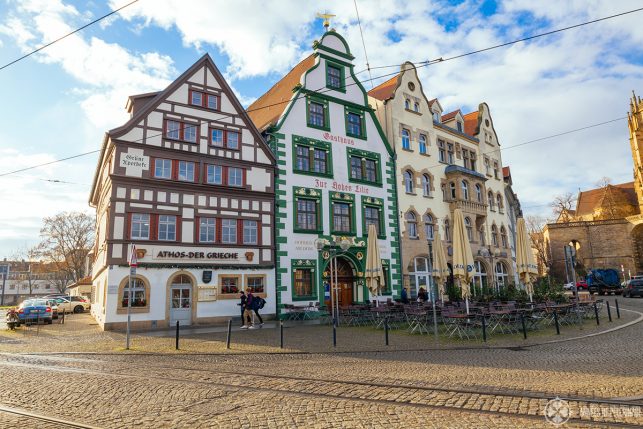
(344, 276)
(637, 246)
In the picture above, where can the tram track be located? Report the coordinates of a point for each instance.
(506, 403)
(56, 422)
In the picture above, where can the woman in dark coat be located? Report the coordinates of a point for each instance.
(243, 299)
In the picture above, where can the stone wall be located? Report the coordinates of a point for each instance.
(601, 244)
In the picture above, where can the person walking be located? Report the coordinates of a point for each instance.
(256, 306)
(243, 300)
(248, 317)
(422, 296)
(405, 296)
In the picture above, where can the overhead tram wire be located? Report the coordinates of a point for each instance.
(67, 35)
(323, 90)
(513, 42)
(359, 23)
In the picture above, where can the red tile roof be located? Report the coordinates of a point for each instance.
(589, 200)
(471, 123)
(506, 172)
(432, 101)
(450, 115)
(385, 90)
(267, 109)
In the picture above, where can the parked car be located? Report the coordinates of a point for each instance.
(582, 285)
(54, 308)
(569, 286)
(73, 304)
(34, 310)
(633, 287)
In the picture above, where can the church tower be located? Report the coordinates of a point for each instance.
(635, 124)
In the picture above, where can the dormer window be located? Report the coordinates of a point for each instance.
(436, 116)
(458, 125)
(407, 104)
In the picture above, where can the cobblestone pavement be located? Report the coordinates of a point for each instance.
(458, 387)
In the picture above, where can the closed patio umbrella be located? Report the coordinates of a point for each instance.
(525, 264)
(463, 267)
(374, 274)
(440, 268)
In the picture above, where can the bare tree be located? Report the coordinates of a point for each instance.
(535, 225)
(67, 238)
(563, 207)
(603, 182)
(29, 257)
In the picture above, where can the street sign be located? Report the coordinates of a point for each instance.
(133, 261)
(132, 270)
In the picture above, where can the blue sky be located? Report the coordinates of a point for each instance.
(62, 100)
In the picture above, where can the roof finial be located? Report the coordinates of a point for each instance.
(326, 17)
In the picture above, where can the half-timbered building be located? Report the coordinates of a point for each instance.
(189, 181)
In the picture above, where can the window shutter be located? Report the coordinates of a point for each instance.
(197, 229)
(128, 226)
(153, 166)
(217, 223)
(239, 231)
(224, 175)
(197, 169)
(243, 182)
(179, 238)
(259, 233)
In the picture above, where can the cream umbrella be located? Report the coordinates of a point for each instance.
(440, 268)
(463, 267)
(373, 273)
(525, 264)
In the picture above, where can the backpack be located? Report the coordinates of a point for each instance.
(261, 303)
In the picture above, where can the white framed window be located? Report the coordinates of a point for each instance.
(186, 171)
(452, 189)
(229, 231)
(167, 228)
(232, 140)
(407, 104)
(416, 107)
(478, 193)
(214, 175)
(436, 116)
(406, 139)
(173, 130)
(250, 232)
(480, 276)
(501, 274)
(450, 153)
(235, 176)
(442, 153)
(428, 226)
(422, 144)
(189, 132)
(426, 185)
(469, 227)
(163, 168)
(465, 190)
(207, 230)
(216, 137)
(411, 225)
(408, 181)
(140, 228)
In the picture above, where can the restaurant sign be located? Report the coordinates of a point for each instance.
(200, 254)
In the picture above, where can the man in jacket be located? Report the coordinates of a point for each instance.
(243, 299)
(248, 317)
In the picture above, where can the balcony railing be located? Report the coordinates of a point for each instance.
(469, 207)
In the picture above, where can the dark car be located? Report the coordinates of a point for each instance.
(634, 288)
(35, 310)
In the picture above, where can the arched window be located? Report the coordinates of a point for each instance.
(422, 144)
(452, 189)
(465, 190)
(501, 274)
(491, 200)
(478, 193)
(426, 185)
(447, 230)
(428, 226)
(480, 277)
(406, 139)
(494, 235)
(407, 104)
(503, 236)
(500, 206)
(469, 227)
(408, 181)
(139, 293)
(416, 106)
(411, 225)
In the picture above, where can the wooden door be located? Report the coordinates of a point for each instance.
(345, 293)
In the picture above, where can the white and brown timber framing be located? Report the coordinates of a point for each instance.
(125, 182)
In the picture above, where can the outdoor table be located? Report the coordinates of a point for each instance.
(461, 324)
(379, 314)
(503, 320)
(417, 320)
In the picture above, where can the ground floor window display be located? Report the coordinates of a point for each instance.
(161, 297)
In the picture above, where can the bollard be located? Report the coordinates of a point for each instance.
(484, 329)
(609, 311)
(556, 322)
(63, 322)
(598, 322)
(335, 332)
(227, 340)
(281, 334)
(177, 334)
(524, 327)
(618, 310)
(386, 330)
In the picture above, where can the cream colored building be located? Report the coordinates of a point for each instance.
(445, 161)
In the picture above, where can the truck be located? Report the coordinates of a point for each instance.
(604, 281)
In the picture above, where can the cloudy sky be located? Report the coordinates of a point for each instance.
(59, 102)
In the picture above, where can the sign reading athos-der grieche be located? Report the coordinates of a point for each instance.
(212, 255)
